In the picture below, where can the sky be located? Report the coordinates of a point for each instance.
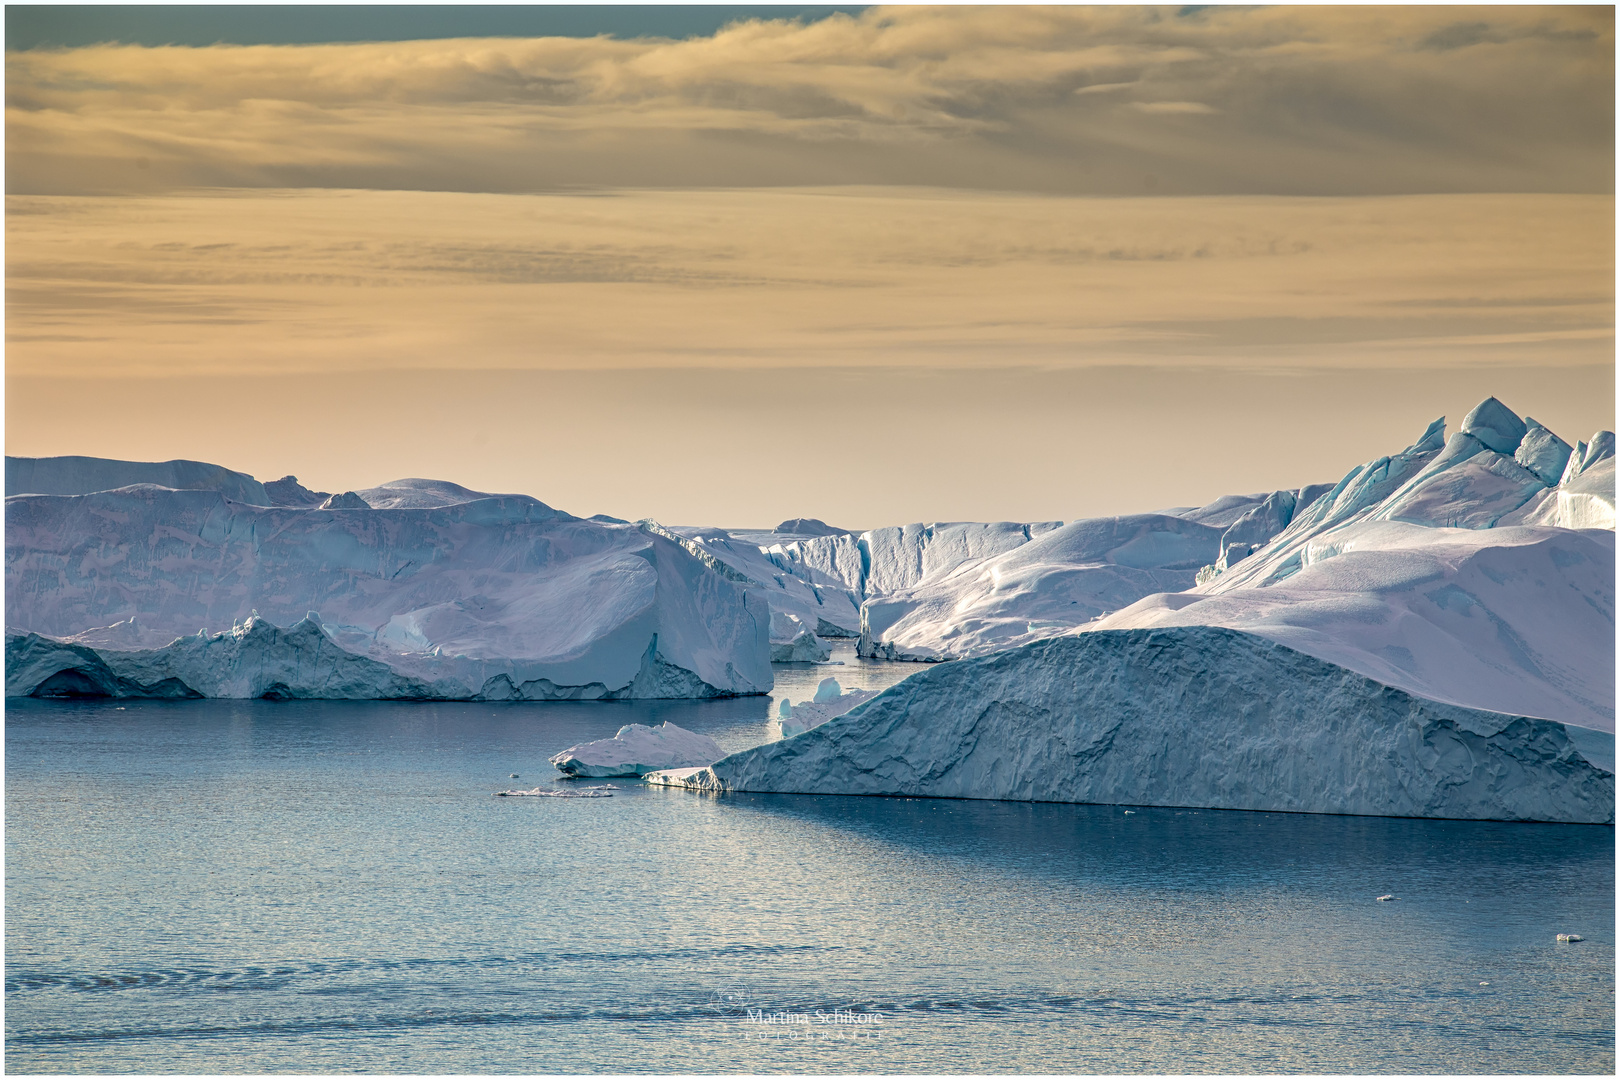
(871, 265)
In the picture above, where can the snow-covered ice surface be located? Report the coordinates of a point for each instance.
(1188, 716)
(1416, 571)
(639, 749)
(1063, 577)
(499, 598)
(418, 494)
(943, 592)
(818, 600)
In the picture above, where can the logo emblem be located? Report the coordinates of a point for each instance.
(729, 1001)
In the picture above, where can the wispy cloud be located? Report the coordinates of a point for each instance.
(1185, 108)
(282, 282)
(1076, 100)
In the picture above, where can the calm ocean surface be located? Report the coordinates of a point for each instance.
(312, 887)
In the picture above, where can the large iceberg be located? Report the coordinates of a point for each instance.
(497, 598)
(1186, 716)
(1427, 638)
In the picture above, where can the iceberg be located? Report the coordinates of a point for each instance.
(792, 642)
(284, 492)
(802, 527)
(998, 588)
(83, 475)
(418, 494)
(497, 598)
(639, 749)
(1195, 716)
(830, 701)
(822, 603)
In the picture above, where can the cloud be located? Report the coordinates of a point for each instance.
(280, 282)
(1299, 100)
(1184, 108)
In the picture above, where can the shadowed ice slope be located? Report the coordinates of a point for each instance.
(1188, 716)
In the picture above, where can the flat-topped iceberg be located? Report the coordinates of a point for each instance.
(1186, 716)
(499, 598)
(77, 475)
(639, 749)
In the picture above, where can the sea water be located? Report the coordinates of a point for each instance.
(309, 886)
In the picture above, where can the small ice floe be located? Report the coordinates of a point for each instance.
(1484, 984)
(638, 749)
(1570, 937)
(1387, 896)
(601, 792)
(512, 776)
(1130, 811)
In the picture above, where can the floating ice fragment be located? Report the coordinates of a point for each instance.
(1570, 937)
(553, 793)
(828, 690)
(638, 749)
(1387, 896)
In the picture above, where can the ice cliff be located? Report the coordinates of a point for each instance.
(496, 598)
(1187, 716)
